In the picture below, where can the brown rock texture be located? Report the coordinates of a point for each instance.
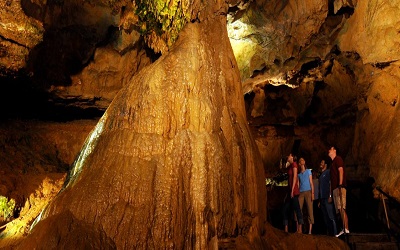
(35, 156)
(171, 164)
(97, 85)
(376, 139)
(34, 192)
(373, 31)
(19, 33)
(277, 239)
(271, 37)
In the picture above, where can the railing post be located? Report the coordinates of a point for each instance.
(384, 207)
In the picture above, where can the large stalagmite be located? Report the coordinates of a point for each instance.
(171, 164)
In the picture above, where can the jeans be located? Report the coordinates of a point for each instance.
(292, 204)
(329, 216)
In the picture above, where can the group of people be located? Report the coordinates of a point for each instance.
(331, 194)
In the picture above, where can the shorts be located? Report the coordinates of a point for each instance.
(339, 202)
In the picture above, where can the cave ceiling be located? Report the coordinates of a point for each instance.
(80, 53)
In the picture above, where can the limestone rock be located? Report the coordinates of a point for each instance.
(19, 33)
(171, 156)
(373, 31)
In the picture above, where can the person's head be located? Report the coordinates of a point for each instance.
(302, 162)
(332, 152)
(323, 165)
(291, 158)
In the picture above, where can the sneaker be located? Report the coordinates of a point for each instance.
(340, 233)
(347, 231)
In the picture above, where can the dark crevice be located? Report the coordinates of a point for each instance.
(347, 11)
(310, 65)
(335, 50)
(33, 10)
(261, 71)
(19, 99)
(62, 53)
(382, 65)
(296, 147)
(289, 60)
(236, 12)
(13, 42)
(150, 53)
(315, 104)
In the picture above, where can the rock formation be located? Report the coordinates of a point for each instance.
(172, 163)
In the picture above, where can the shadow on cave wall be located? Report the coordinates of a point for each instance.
(73, 31)
(21, 99)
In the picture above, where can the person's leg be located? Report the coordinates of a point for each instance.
(337, 207)
(340, 205)
(301, 204)
(285, 213)
(330, 210)
(341, 196)
(325, 216)
(301, 200)
(309, 204)
(296, 206)
(344, 217)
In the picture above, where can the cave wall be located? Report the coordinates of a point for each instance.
(19, 34)
(69, 52)
(373, 31)
(342, 72)
(35, 158)
(37, 148)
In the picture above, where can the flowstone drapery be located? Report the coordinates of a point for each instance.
(171, 164)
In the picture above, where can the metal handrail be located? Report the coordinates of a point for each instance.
(391, 199)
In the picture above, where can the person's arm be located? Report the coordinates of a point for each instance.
(340, 176)
(330, 189)
(294, 180)
(319, 189)
(312, 187)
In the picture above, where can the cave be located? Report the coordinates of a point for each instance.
(166, 124)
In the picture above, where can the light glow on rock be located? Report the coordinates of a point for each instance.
(6, 207)
(87, 149)
(246, 47)
(243, 46)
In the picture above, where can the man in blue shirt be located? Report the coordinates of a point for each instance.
(325, 199)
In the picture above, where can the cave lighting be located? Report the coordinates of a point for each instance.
(240, 36)
(6, 207)
(243, 38)
(13, 226)
(272, 182)
(238, 29)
